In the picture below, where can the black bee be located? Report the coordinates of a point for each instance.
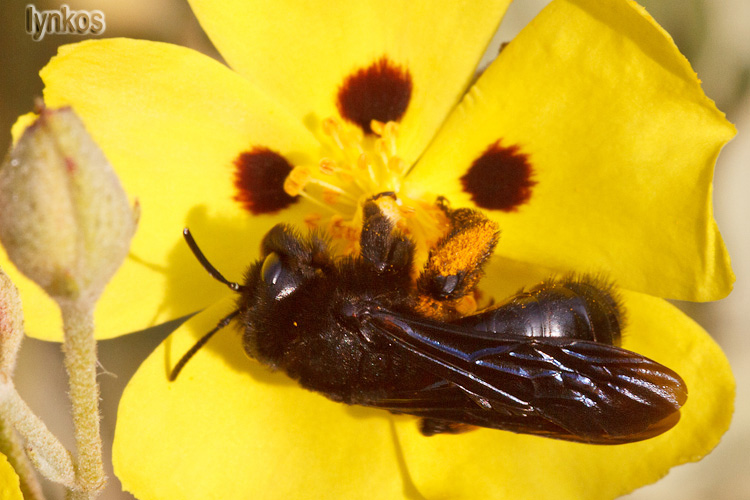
(364, 330)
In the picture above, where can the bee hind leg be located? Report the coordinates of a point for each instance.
(455, 265)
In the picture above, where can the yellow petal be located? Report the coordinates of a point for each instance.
(497, 464)
(171, 121)
(301, 52)
(229, 428)
(22, 123)
(10, 484)
(621, 141)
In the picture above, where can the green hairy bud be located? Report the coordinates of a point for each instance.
(65, 219)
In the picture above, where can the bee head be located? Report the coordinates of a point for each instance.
(287, 261)
(278, 287)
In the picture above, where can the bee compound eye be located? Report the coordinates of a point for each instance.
(278, 278)
(271, 268)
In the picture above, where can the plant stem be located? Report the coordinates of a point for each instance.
(81, 362)
(51, 458)
(11, 447)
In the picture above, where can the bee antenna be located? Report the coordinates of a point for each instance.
(206, 264)
(201, 342)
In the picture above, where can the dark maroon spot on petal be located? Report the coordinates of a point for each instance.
(500, 179)
(381, 91)
(259, 179)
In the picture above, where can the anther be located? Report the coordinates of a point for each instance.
(390, 130)
(300, 174)
(330, 197)
(408, 211)
(327, 166)
(377, 127)
(380, 147)
(332, 127)
(297, 180)
(291, 187)
(389, 137)
(396, 165)
(365, 164)
(312, 220)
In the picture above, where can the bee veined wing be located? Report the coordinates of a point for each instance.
(558, 387)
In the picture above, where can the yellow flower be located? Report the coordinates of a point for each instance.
(9, 482)
(591, 115)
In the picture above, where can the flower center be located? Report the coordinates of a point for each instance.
(359, 167)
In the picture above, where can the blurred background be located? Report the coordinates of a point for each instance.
(714, 36)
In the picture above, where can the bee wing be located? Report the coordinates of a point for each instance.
(559, 387)
(451, 403)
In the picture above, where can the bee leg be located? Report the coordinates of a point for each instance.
(432, 426)
(383, 247)
(455, 264)
(299, 253)
(283, 238)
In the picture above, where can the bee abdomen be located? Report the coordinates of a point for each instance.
(584, 309)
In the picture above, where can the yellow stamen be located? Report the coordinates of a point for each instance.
(300, 175)
(328, 166)
(353, 139)
(317, 202)
(291, 187)
(408, 211)
(330, 125)
(364, 163)
(330, 197)
(331, 128)
(331, 187)
(389, 138)
(340, 229)
(356, 168)
(312, 221)
(397, 165)
(382, 150)
(377, 127)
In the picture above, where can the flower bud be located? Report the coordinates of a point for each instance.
(65, 220)
(11, 325)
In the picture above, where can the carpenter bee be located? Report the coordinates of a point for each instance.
(372, 330)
